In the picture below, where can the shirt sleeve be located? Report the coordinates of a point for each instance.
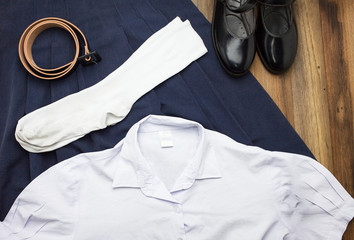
(313, 204)
(46, 208)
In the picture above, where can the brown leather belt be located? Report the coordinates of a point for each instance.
(30, 34)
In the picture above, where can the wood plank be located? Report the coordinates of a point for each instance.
(338, 36)
(317, 93)
(309, 85)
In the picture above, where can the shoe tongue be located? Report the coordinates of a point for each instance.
(277, 19)
(235, 3)
(284, 11)
(240, 6)
(276, 2)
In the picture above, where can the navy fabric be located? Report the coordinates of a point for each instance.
(239, 108)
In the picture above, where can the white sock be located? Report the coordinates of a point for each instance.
(164, 54)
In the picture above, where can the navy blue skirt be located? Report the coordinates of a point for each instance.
(239, 108)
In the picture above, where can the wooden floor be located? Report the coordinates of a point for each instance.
(317, 93)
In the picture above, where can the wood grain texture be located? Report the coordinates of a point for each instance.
(317, 93)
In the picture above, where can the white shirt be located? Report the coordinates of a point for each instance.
(171, 179)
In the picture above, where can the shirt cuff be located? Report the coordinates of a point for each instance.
(344, 216)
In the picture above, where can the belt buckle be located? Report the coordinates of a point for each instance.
(90, 58)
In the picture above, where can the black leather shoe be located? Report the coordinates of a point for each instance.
(233, 32)
(276, 35)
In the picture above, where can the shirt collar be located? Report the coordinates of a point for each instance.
(135, 172)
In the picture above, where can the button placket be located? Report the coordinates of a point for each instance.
(178, 209)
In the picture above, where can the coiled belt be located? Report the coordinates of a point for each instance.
(30, 34)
